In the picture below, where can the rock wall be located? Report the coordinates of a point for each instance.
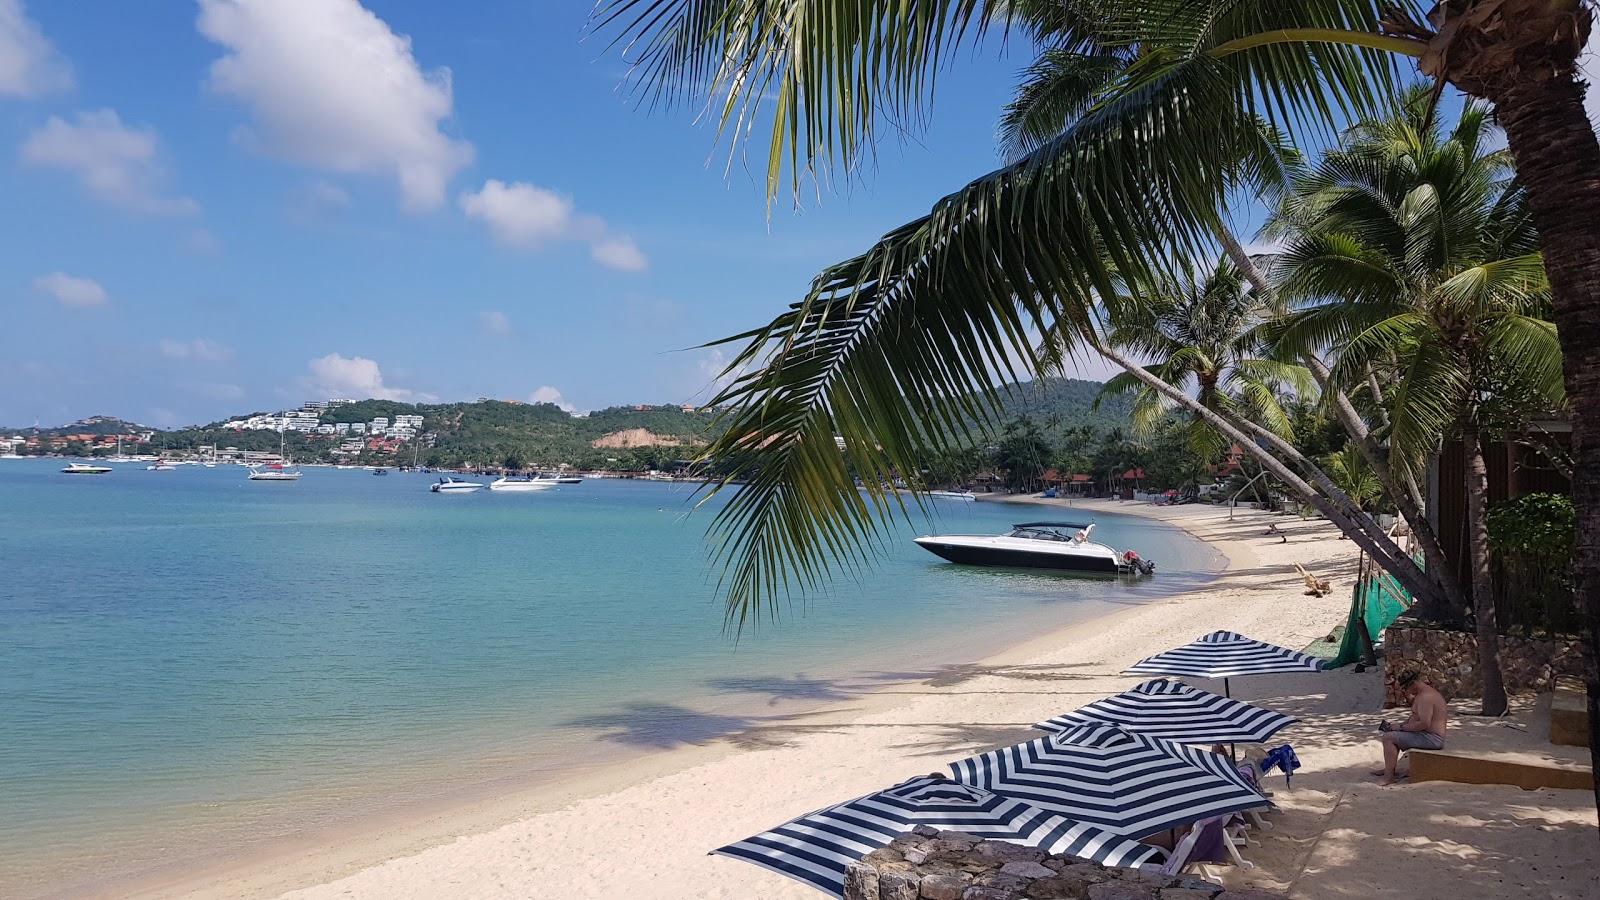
(927, 864)
(1448, 660)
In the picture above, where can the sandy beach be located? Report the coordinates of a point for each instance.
(643, 832)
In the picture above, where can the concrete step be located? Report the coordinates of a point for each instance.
(1528, 771)
(1569, 713)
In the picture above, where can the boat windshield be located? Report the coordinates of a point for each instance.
(1050, 531)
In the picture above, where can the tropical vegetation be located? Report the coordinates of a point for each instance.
(892, 353)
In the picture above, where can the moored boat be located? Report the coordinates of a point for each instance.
(522, 484)
(449, 484)
(274, 472)
(1037, 545)
(955, 496)
(161, 465)
(85, 469)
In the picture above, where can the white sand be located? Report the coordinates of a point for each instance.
(644, 832)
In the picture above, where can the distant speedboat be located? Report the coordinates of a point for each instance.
(274, 472)
(85, 469)
(955, 496)
(453, 485)
(522, 484)
(380, 471)
(569, 479)
(161, 466)
(1037, 545)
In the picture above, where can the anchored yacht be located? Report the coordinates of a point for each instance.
(85, 469)
(522, 484)
(1037, 545)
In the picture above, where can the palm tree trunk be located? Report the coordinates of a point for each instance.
(1558, 162)
(1439, 571)
(1382, 550)
(1477, 477)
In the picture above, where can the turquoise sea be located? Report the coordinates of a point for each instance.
(192, 664)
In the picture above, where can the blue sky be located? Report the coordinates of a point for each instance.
(234, 205)
(225, 206)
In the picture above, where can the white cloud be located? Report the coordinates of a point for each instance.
(325, 195)
(330, 86)
(113, 162)
(203, 350)
(619, 253)
(713, 368)
(548, 394)
(70, 290)
(527, 216)
(496, 323)
(519, 214)
(29, 63)
(355, 377)
(202, 242)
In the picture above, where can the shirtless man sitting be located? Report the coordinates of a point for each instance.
(1423, 731)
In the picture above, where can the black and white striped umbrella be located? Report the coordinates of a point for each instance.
(1224, 654)
(1174, 711)
(817, 847)
(1108, 776)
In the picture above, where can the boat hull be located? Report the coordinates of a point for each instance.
(1016, 558)
(522, 486)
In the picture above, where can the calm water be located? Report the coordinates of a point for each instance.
(191, 662)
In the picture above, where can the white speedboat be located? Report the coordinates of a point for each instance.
(274, 472)
(1037, 545)
(85, 469)
(569, 479)
(955, 496)
(161, 466)
(522, 484)
(452, 485)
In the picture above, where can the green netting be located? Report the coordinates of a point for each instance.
(1376, 600)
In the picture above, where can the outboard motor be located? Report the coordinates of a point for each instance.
(1136, 565)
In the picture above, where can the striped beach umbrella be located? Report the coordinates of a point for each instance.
(1174, 711)
(1108, 776)
(1225, 654)
(817, 847)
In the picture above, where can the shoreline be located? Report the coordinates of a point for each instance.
(312, 860)
(643, 831)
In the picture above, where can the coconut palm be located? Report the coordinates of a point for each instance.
(1066, 80)
(1418, 258)
(897, 349)
(1349, 469)
(1201, 330)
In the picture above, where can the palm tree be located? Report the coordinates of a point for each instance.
(1202, 330)
(1419, 258)
(1349, 469)
(1068, 79)
(895, 349)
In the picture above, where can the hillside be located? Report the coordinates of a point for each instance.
(498, 433)
(1069, 400)
(92, 425)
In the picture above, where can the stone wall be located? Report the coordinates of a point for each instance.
(1448, 660)
(928, 864)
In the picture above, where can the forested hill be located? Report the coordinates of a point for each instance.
(1065, 403)
(498, 433)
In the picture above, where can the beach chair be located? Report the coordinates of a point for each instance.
(1247, 771)
(1209, 836)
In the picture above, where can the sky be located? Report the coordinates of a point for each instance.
(230, 206)
(238, 205)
